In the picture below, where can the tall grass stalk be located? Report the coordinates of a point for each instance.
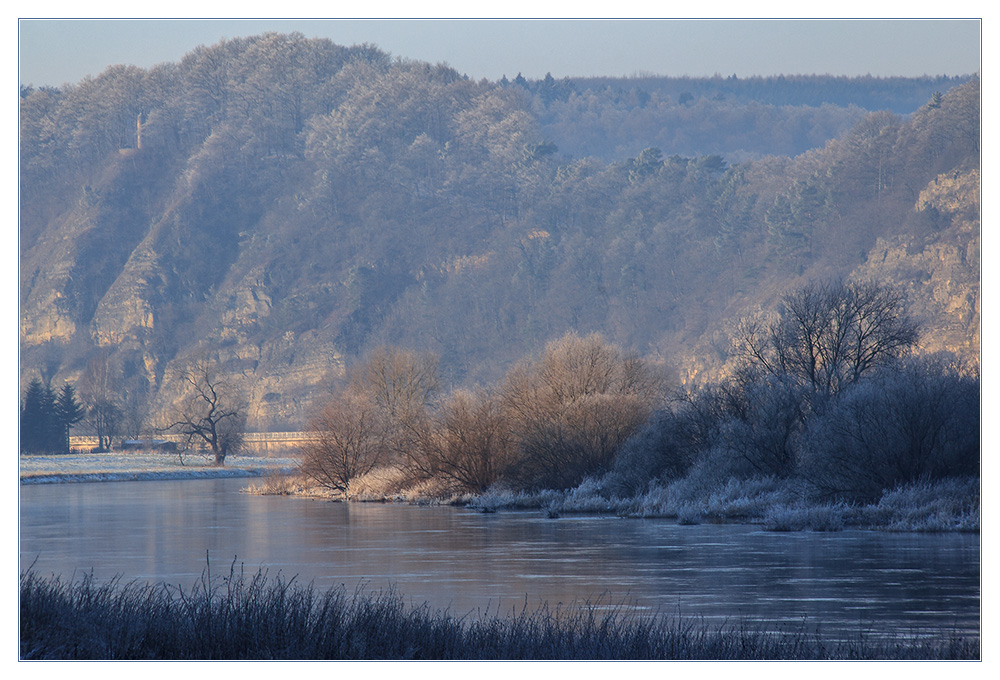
(256, 617)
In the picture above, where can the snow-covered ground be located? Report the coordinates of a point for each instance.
(136, 465)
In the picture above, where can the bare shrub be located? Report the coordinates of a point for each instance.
(386, 481)
(276, 483)
(350, 438)
(468, 442)
(376, 418)
(574, 407)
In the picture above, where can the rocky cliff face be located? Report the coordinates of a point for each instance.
(939, 266)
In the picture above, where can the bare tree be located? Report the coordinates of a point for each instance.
(100, 388)
(135, 407)
(403, 385)
(401, 382)
(104, 415)
(350, 437)
(827, 336)
(212, 413)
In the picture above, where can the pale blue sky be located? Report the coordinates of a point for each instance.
(53, 52)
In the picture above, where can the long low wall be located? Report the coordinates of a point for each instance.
(261, 443)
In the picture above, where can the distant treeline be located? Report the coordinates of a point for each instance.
(737, 117)
(896, 94)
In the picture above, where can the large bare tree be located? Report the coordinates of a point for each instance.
(401, 382)
(827, 335)
(212, 413)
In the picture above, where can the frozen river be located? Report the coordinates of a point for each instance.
(470, 563)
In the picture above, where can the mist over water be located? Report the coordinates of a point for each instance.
(475, 564)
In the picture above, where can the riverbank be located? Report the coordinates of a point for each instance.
(139, 465)
(776, 504)
(946, 505)
(257, 618)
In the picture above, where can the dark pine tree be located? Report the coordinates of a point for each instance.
(37, 417)
(68, 412)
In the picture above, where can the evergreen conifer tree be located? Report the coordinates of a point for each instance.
(68, 412)
(37, 417)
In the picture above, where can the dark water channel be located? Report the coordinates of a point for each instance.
(840, 583)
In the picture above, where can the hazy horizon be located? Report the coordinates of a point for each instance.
(55, 52)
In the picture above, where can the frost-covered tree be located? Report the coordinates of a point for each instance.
(918, 422)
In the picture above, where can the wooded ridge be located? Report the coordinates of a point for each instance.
(282, 205)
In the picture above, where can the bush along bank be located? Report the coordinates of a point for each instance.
(825, 417)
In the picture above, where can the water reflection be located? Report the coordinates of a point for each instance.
(469, 562)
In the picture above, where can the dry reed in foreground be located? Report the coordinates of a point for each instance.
(239, 617)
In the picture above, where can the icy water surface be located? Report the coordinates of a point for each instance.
(469, 563)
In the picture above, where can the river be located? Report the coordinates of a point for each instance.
(839, 583)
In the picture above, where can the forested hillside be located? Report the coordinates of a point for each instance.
(282, 205)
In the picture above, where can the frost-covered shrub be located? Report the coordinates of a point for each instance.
(498, 498)
(717, 467)
(658, 450)
(828, 517)
(690, 513)
(750, 498)
(589, 496)
(798, 517)
(763, 430)
(919, 421)
(657, 501)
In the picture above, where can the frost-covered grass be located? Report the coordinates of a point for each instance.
(140, 465)
(776, 504)
(946, 505)
(256, 618)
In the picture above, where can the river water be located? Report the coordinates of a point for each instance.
(840, 584)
